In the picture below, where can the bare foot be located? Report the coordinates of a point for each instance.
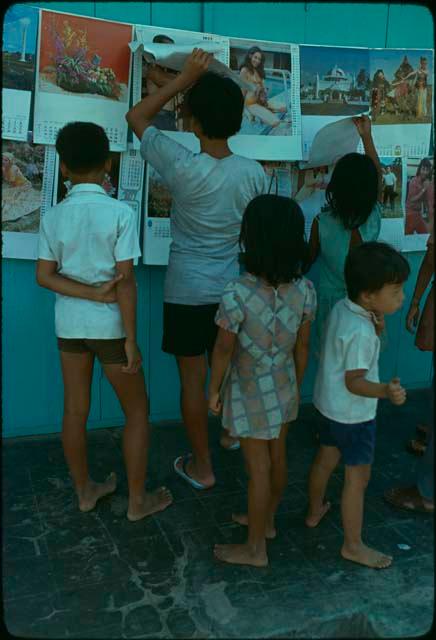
(153, 502)
(313, 519)
(96, 490)
(240, 554)
(242, 518)
(366, 556)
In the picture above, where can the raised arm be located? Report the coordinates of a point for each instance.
(47, 277)
(139, 117)
(363, 124)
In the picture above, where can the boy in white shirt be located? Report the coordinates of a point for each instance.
(87, 245)
(347, 389)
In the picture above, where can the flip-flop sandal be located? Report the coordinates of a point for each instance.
(407, 498)
(183, 474)
(417, 447)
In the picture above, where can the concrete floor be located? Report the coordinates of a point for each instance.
(96, 575)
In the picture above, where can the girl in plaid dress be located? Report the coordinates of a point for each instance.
(263, 344)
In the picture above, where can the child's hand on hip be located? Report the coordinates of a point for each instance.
(134, 358)
(195, 65)
(396, 393)
(215, 404)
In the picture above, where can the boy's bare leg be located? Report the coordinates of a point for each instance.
(278, 479)
(77, 376)
(194, 407)
(322, 468)
(253, 552)
(353, 496)
(130, 390)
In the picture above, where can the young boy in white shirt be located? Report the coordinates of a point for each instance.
(347, 389)
(210, 191)
(87, 245)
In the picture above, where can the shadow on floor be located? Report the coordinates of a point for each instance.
(96, 575)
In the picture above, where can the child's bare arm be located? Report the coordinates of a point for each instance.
(314, 244)
(301, 352)
(140, 115)
(126, 297)
(363, 124)
(47, 277)
(356, 383)
(221, 356)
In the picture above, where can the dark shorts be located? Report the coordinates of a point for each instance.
(356, 442)
(189, 330)
(107, 351)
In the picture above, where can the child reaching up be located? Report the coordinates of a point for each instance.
(264, 325)
(347, 388)
(352, 216)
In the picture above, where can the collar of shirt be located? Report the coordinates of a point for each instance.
(356, 308)
(86, 187)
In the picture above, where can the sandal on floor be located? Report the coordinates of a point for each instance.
(417, 447)
(183, 473)
(407, 498)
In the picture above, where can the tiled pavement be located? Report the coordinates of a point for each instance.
(96, 575)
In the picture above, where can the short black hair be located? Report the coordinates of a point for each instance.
(371, 265)
(272, 239)
(217, 103)
(161, 38)
(353, 189)
(82, 146)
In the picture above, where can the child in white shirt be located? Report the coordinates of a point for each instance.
(87, 240)
(347, 388)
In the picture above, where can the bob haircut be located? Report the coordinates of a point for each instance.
(353, 189)
(372, 265)
(272, 239)
(82, 146)
(217, 103)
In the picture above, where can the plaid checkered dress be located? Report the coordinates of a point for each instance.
(260, 392)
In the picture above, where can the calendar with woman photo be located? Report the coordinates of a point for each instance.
(271, 122)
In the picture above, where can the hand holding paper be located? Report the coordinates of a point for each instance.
(195, 66)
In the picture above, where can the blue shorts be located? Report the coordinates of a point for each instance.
(356, 442)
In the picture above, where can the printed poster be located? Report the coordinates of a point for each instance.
(157, 223)
(335, 84)
(83, 73)
(271, 123)
(19, 47)
(393, 198)
(419, 203)
(148, 76)
(280, 177)
(27, 183)
(402, 100)
(309, 187)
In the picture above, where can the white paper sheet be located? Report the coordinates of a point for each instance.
(169, 119)
(308, 190)
(332, 142)
(280, 177)
(26, 195)
(99, 48)
(271, 124)
(18, 73)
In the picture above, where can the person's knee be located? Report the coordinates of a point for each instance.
(358, 476)
(76, 413)
(259, 467)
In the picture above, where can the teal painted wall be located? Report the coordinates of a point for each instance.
(32, 382)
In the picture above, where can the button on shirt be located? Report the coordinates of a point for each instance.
(209, 196)
(86, 234)
(350, 343)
